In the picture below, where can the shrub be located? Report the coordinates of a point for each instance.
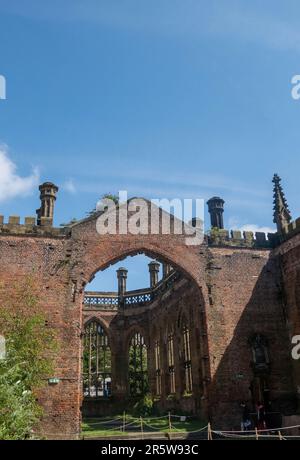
(144, 406)
(28, 361)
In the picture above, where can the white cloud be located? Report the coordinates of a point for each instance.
(256, 228)
(69, 186)
(234, 224)
(11, 184)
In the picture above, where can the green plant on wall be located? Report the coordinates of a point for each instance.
(28, 362)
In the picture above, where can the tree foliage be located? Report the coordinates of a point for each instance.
(138, 369)
(106, 196)
(30, 348)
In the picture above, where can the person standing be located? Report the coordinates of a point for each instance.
(261, 416)
(246, 421)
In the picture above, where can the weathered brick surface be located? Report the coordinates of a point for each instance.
(40, 257)
(246, 298)
(231, 293)
(289, 255)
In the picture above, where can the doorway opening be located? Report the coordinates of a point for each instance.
(143, 336)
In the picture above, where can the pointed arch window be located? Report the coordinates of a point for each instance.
(157, 367)
(260, 354)
(188, 381)
(96, 361)
(138, 366)
(171, 363)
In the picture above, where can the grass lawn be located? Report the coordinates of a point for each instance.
(93, 427)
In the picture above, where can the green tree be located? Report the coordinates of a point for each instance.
(138, 367)
(109, 196)
(30, 348)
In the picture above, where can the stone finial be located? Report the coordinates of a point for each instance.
(216, 209)
(154, 271)
(45, 213)
(166, 269)
(281, 213)
(122, 278)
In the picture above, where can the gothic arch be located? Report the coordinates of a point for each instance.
(183, 317)
(156, 253)
(138, 365)
(99, 252)
(96, 252)
(101, 323)
(136, 329)
(97, 360)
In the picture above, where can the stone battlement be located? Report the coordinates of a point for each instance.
(222, 237)
(215, 237)
(29, 227)
(292, 229)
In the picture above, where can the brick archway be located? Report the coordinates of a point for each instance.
(62, 261)
(97, 252)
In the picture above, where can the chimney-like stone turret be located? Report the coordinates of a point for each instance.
(166, 268)
(45, 214)
(122, 278)
(154, 271)
(216, 209)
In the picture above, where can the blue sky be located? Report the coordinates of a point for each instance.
(165, 98)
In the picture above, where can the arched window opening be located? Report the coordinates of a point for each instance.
(157, 367)
(260, 355)
(138, 366)
(188, 382)
(96, 362)
(261, 369)
(171, 363)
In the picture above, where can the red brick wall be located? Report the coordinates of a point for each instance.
(236, 292)
(246, 298)
(41, 258)
(61, 267)
(289, 253)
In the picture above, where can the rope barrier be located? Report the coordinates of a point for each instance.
(134, 419)
(150, 426)
(263, 430)
(194, 431)
(123, 425)
(120, 427)
(103, 422)
(146, 422)
(232, 435)
(200, 429)
(253, 436)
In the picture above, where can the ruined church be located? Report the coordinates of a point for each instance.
(214, 330)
